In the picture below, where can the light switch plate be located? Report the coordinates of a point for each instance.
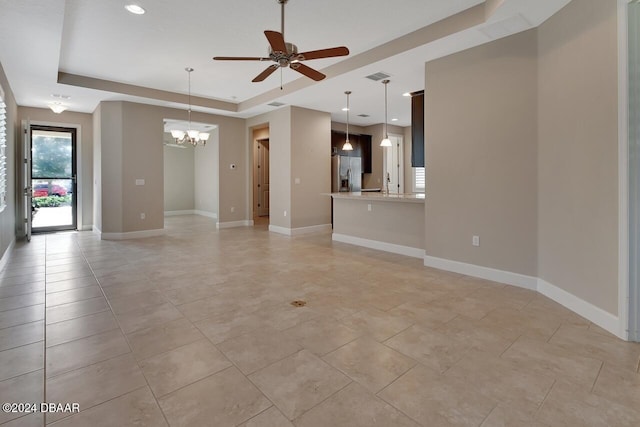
(139, 181)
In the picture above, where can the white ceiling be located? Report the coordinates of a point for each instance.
(100, 40)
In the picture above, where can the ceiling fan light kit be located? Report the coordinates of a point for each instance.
(286, 54)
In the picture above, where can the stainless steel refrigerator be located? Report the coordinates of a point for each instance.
(346, 174)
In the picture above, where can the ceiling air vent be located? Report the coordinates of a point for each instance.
(275, 104)
(378, 76)
(363, 115)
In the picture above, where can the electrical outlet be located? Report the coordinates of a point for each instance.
(142, 215)
(369, 207)
(233, 209)
(475, 241)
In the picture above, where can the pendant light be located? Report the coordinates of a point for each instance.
(347, 145)
(386, 142)
(191, 136)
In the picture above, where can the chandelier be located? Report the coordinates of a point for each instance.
(191, 136)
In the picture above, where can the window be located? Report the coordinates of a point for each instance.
(3, 152)
(418, 180)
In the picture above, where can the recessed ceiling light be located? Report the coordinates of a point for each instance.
(406, 94)
(394, 120)
(135, 9)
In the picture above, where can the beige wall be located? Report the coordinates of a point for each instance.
(280, 181)
(108, 154)
(207, 182)
(481, 137)
(298, 141)
(84, 147)
(179, 177)
(311, 167)
(399, 223)
(131, 148)
(578, 148)
(8, 216)
(408, 171)
(142, 158)
(97, 168)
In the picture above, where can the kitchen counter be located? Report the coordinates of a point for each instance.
(381, 197)
(387, 222)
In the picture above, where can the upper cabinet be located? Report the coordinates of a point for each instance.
(361, 147)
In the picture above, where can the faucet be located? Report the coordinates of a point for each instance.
(386, 184)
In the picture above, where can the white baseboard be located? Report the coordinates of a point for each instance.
(206, 213)
(177, 213)
(500, 276)
(234, 224)
(600, 317)
(96, 230)
(7, 254)
(86, 227)
(381, 246)
(280, 230)
(192, 212)
(323, 228)
(132, 234)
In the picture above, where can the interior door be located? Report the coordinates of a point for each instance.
(263, 177)
(26, 176)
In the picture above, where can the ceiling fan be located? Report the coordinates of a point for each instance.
(286, 54)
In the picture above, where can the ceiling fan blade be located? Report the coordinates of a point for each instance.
(276, 40)
(266, 73)
(323, 53)
(308, 71)
(239, 58)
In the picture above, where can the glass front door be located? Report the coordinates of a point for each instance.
(53, 178)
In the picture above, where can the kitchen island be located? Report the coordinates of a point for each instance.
(387, 222)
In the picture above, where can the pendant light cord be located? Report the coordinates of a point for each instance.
(189, 70)
(386, 131)
(348, 93)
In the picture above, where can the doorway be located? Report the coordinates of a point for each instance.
(261, 177)
(395, 164)
(53, 178)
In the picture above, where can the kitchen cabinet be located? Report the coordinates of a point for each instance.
(361, 147)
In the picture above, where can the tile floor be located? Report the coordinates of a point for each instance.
(195, 328)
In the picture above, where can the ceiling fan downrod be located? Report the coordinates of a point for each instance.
(282, 3)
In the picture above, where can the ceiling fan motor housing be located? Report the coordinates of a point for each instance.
(282, 58)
